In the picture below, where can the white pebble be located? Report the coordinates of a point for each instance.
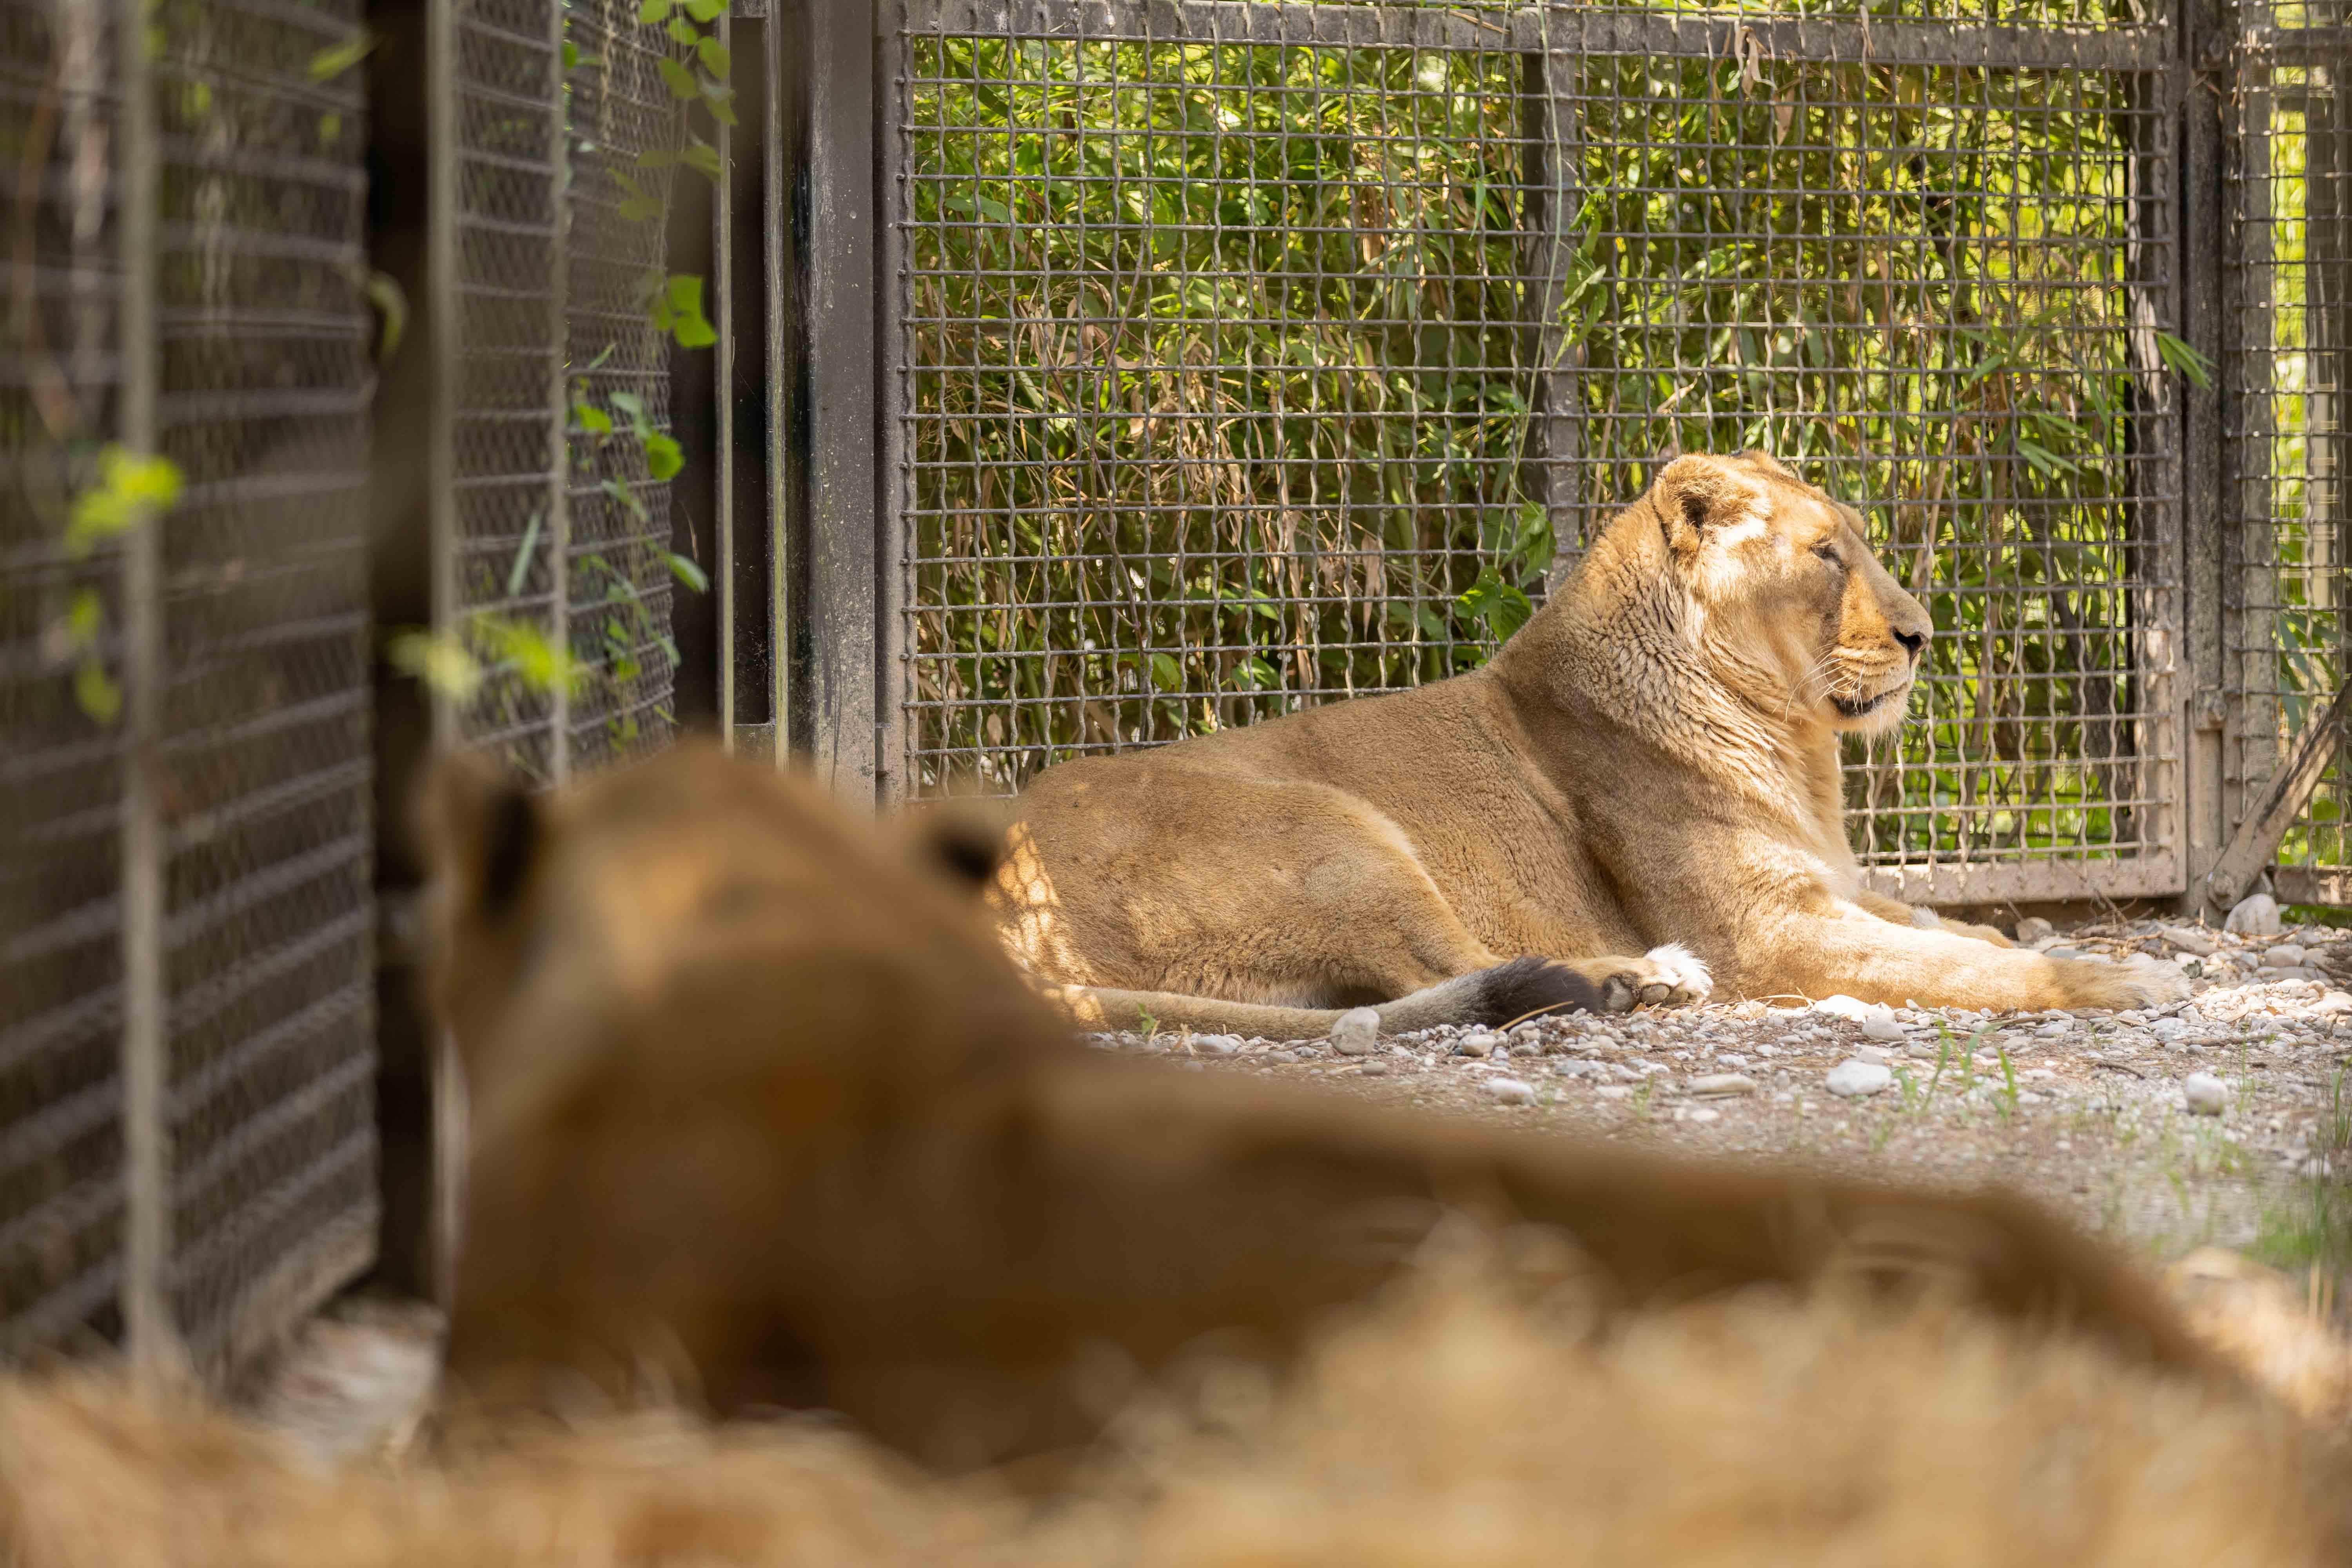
(1511, 1091)
(1479, 1045)
(1881, 1026)
(2254, 916)
(1356, 1032)
(2205, 1093)
(1722, 1083)
(1854, 1079)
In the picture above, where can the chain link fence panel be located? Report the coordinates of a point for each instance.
(264, 762)
(186, 1121)
(503, 147)
(627, 128)
(61, 1197)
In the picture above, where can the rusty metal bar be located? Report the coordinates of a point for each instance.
(2256, 842)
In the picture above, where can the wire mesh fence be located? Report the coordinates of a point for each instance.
(2290, 332)
(262, 749)
(60, 962)
(504, 151)
(187, 1140)
(1216, 382)
(558, 127)
(1259, 355)
(626, 126)
(185, 1095)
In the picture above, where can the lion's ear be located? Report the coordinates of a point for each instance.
(964, 839)
(1696, 493)
(479, 831)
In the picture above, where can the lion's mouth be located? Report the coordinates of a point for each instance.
(1862, 707)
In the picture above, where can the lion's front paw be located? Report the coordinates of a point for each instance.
(1669, 977)
(2138, 980)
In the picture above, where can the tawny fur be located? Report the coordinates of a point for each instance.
(1454, 1424)
(1653, 758)
(757, 1097)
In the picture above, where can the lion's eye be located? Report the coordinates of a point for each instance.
(1828, 554)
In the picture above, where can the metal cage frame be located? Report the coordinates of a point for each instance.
(2114, 786)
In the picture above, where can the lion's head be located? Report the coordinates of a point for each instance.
(1786, 603)
(697, 896)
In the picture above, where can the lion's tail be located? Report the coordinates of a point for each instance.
(1522, 988)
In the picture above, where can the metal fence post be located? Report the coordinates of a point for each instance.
(722, 408)
(558, 432)
(779, 102)
(1549, 129)
(893, 392)
(148, 1330)
(2204, 97)
(832, 405)
(2155, 742)
(442, 323)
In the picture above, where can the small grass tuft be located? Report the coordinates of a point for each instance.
(2309, 1225)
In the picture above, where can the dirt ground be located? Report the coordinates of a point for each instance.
(2092, 1113)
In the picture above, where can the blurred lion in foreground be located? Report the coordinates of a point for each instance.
(759, 1106)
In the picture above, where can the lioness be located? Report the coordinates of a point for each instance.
(1653, 759)
(756, 1093)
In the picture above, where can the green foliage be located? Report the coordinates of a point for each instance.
(457, 665)
(130, 492)
(336, 59)
(675, 303)
(2005, 1098)
(442, 663)
(133, 489)
(391, 304)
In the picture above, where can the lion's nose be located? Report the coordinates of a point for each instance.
(1913, 642)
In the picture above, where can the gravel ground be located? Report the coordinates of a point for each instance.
(2208, 1121)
